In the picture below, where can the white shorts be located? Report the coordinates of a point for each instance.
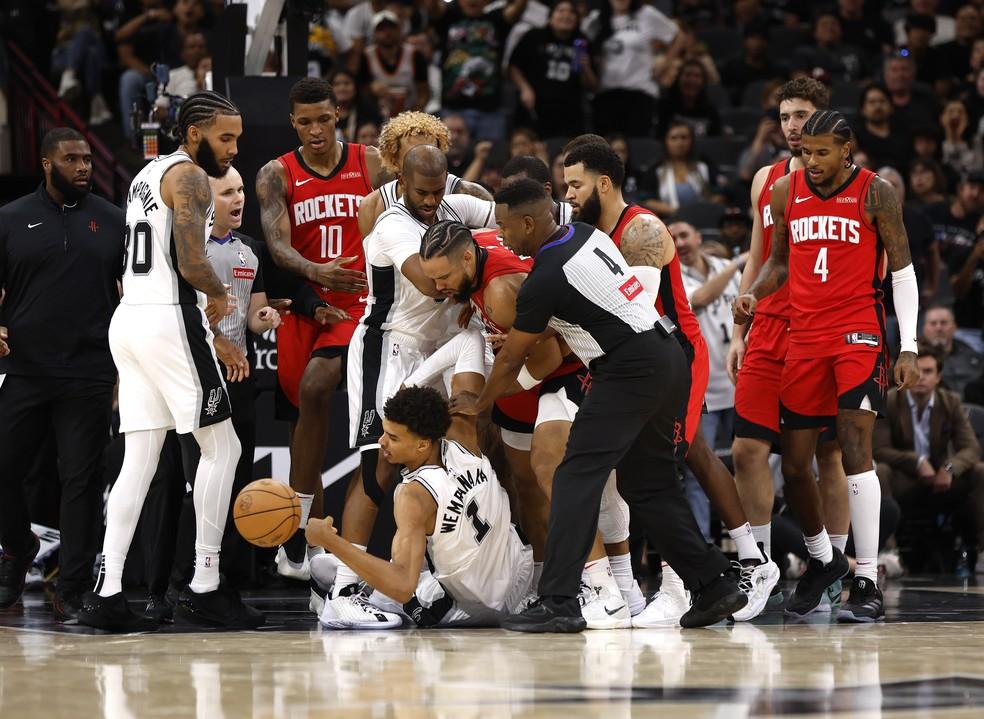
(378, 363)
(555, 407)
(169, 374)
(521, 441)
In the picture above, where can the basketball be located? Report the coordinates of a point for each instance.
(267, 513)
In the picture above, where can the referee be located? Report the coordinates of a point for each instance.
(61, 254)
(581, 288)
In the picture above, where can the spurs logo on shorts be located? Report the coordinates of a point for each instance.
(368, 417)
(214, 398)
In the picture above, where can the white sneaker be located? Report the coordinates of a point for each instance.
(756, 582)
(292, 570)
(316, 602)
(69, 87)
(670, 603)
(99, 113)
(602, 610)
(635, 599)
(355, 612)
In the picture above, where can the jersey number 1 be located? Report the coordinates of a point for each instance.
(331, 242)
(820, 268)
(481, 526)
(139, 247)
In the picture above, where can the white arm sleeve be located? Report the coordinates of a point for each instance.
(470, 211)
(905, 295)
(465, 352)
(649, 277)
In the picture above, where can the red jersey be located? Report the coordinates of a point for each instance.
(836, 264)
(672, 300)
(494, 260)
(776, 304)
(324, 213)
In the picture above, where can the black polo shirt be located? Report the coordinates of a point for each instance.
(59, 267)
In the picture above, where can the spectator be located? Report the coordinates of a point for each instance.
(354, 110)
(955, 225)
(919, 31)
(368, 134)
(464, 160)
(630, 34)
(59, 374)
(736, 231)
(557, 176)
(752, 64)
(863, 26)
(711, 284)
(767, 146)
(914, 107)
(957, 152)
(471, 38)
(183, 80)
(960, 363)
(955, 55)
(523, 141)
(681, 178)
(829, 52)
(79, 57)
(945, 25)
(881, 138)
(927, 183)
(927, 455)
(687, 46)
(639, 184)
(974, 96)
(392, 69)
(359, 26)
(922, 242)
(552, 69)
(688, 101)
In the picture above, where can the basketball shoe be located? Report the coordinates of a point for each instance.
(13, 573)
(715, 602)
(814, 582)
(756, 581)
(548, 614)
(222, 607)
(113, 614)
(292, 559)
(864, 604)
(602, 610)
(351, 610)
(669, 604)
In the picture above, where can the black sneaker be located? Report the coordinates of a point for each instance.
(159, 610)
(222, 608)
(715, 602)
(113, 614)
(814, 582)
(296, 547)
(13, 573)
(865, 603)
(66, 605)
(561, 615)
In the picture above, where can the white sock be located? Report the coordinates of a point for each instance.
(864, 492)
(599, 574)
(622, 572)
(672, 582)
(344, 576)
(763, 536)
(206, 577)
(839, 541)
(745, 542)
(220, 451)
(819, 547)
(537, 573)
(306, 501)
(142, 450)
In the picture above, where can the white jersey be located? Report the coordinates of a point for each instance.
(475, 551)
(394, 303)
(390, 191)
(717, 326)
(150, 272)
(564, 213)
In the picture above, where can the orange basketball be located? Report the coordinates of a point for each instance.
(267, 513)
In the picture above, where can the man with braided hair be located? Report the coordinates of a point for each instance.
(835, 223)
(398, 136)
(169, 375)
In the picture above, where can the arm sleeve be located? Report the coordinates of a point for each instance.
(471, 211)
(905, 296)
(535, 303)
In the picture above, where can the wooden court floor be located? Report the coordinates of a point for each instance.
(927, 660)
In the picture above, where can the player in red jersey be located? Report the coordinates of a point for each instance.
(834, 225)
(481, 270)
(309, 203)
(594, 175)
(755, 364)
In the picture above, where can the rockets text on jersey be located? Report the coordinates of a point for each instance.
(324, 212)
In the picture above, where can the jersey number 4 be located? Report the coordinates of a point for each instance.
(820, 268)
(139, 248)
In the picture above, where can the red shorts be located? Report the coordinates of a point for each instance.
(815, 388)
(300, 338)
(757, 391)
(700, 369)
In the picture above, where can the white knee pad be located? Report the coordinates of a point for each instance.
(613, 519)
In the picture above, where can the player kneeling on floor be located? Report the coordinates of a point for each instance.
(450, 506)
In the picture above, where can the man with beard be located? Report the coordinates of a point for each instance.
(61, 251)
(169, 375)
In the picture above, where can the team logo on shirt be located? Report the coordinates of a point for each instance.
(93, 226)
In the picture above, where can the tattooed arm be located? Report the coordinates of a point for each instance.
(773, 274)
(647, 242)
(271, 191)
(473, 189)
(186, 191)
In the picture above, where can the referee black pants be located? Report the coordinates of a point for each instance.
(77, 412)
(628, 422)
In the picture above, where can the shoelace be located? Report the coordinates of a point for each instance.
(745, 584)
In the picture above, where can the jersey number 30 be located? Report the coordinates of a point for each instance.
(139, 248)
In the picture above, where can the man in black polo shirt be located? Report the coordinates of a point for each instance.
(582, 289)
(61, 253)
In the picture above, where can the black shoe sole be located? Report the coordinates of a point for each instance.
(555, 625)
(801, 612)
(183, 616)
(846, 616)
(717, 612)
(138, 626)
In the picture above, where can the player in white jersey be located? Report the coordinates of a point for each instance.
(405, 320)
(398, 136)
(449, 506)
(532, 167)
(169, 375)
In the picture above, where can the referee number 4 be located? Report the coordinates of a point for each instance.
(820, 268)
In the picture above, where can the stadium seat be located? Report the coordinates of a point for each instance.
(742, 120)
(751, 96)
(845, 94)
(783, 41)
(719, 97)
(645, 152)
(702, 215)
(975, 413)
(555, 145)
(722, 151)
(722, 42)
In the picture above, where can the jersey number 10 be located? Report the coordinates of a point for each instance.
(331, 241)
